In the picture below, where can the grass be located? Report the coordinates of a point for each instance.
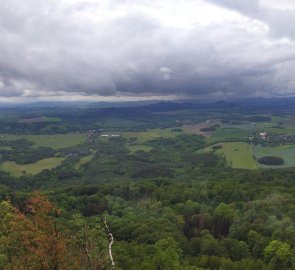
(144, 136)
(286, 122)
(56, 141)
(223, 134)
(39, 119)
(269, 127)
(18, 170)
(277, 118)
(5, 148)
(245, 126)
(135, 148)
(238, 155)
(287, 152)
(83, 161)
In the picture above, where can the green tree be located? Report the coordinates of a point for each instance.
(223, 218)
(167, 255)
(278, 254)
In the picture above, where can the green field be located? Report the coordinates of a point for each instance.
(287, 152)
(238, 155)
(39, 119)
(245, 126)
(120, 123)
(56, 141)
(223, 134)
(18, 170)
(5, 148)
(135, 148)
(144, 136)
(278, 125)
(83, 161)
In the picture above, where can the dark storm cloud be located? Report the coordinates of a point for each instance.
(50, 49)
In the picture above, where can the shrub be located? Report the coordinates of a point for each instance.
(271, 160)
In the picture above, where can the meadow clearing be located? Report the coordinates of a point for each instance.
(144, 136)
(244, 155)
(56, 141)
(18, 170)
(287, 152)
(238, 155)
(228, 133)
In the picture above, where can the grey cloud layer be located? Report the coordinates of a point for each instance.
(278, 20)
(48, 49)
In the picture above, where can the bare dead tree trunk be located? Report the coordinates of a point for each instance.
(111, 241)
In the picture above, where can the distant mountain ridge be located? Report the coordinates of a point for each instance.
(255, 104)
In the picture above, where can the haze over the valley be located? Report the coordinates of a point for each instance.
(139, 50)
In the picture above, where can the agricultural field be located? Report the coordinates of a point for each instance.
(238, 155)
(287, 152)
(278, 125)
(243, 126)
(228, 133)
(57, 141)
(18, 170)
(144, 136)
(243, 130)
(203, 128)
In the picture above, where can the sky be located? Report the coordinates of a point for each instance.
(112, 50)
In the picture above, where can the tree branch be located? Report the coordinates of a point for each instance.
(111, 241)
